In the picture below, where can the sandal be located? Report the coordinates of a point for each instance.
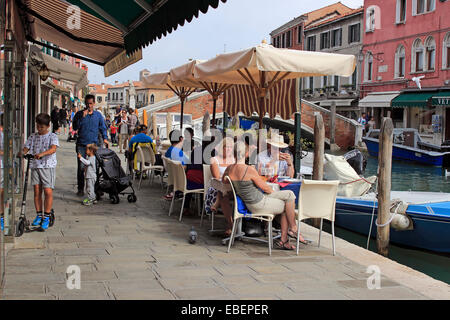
(282, 245)
(293, 235)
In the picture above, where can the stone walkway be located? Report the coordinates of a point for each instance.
(135, 251)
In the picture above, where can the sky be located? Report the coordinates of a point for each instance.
(234, 25)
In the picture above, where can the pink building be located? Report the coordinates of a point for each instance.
(406, 39)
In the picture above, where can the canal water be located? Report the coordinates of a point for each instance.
(408, 176)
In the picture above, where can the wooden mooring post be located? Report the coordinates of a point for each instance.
(319, 151)
(333, 123)
(384, 185)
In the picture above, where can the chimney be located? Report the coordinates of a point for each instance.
(116, 82)
(103, 85)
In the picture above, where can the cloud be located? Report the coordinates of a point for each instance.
(234, 25)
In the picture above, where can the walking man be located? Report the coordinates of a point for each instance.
(88, 123)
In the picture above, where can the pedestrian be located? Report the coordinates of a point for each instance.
(90, 173)
(370, 124)
(55, 120)
(88, 123)
(62, 115)
(42, 145)
(123, 131)
(133, 121)
(114, 129)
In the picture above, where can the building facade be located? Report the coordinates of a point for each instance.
(335, 28)
(100, 91)
(406, 50)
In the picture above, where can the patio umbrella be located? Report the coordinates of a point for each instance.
(181, 89)
(168, 124)
(184, 74)
(263, 66)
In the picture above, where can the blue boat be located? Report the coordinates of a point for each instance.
(428, 211)
(408, 146)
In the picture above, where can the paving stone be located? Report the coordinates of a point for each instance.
(171, 272)
(363, 283)
(234, 270)
(70, 260)
(144, 294)
(60, 246)
(388, 293)
(269, 268)
(97, 276)
(142, 274)
(134, 284)
(122, 266)
(243, 280)
(81, 252)
(94, 245)
(203, 293)
(259, 289)
(36, 277)
(84, 267)
(28, 297)
(180, 283)
(13, 288)
(313, 295)
(68, 239)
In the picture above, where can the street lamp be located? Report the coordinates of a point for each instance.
(44, 73)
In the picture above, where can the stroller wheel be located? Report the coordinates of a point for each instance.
(132, 198)
(52, 218)
(20, 227)
(115, 199)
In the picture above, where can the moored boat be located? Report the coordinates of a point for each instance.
(409, 146)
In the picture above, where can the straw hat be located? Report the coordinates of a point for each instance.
(277, 140)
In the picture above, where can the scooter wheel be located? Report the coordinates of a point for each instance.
(52, 218)
(20, 227)
(132, 198)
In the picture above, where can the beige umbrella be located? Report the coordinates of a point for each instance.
(182, 90)
(263, 66)
(154, 126)
(184, 75)
(168, 124)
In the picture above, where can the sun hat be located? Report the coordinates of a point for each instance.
(277, 140)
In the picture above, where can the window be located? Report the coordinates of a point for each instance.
(417, 56)
(324, 81)
(311, 83)
(336, 38)
(109, 96)
(99, 99)
(370, 20)
(336, 83)
(400, 62)
(324, 40)
(299, 34)
(368, 72)
(288, 39)
(401, 11)
(278, 42)
(354, 32)
(283, 40)
(353, 79)
(423, 6)
(152, 99)
(430, 46)
(311, 43)
(121, 96)
(446, 52)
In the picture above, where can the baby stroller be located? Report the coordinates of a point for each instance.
(111, 178)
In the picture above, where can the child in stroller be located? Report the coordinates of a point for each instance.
(111, 178)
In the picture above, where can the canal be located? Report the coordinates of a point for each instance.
(408, 176)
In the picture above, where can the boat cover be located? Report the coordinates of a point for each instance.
(352, 185)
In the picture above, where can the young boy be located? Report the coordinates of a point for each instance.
(114, 129)
(43, 146)
(90, 176)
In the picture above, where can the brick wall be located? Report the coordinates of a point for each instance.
(346, 129)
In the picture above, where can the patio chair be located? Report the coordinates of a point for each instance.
(146, 161)
(207, 176)
(169, 174)
(180, 184)
(238, 217)
(317, 199)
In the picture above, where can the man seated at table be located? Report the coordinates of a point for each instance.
(142, 139)
(272, 162)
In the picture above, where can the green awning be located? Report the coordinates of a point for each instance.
(144, 21)
(413, 99)
(441, 99)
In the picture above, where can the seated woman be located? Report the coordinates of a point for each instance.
(248, 185)
(215, 199)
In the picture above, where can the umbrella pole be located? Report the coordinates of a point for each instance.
(214, 111)
(182, 111)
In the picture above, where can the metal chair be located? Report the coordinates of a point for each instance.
(238, 217)
(317, 199)
(180, 184)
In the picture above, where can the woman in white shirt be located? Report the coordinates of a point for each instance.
(215, 199)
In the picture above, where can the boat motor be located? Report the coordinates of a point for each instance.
(356, 160)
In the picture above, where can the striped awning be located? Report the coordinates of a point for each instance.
(282, 100)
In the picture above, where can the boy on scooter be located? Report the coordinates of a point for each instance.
(43, 146)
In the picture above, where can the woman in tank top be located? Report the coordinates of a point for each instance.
(248, 185)
(215, 199)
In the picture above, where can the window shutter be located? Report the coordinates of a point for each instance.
(340, 37)
(349, 34)
(358, 33)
